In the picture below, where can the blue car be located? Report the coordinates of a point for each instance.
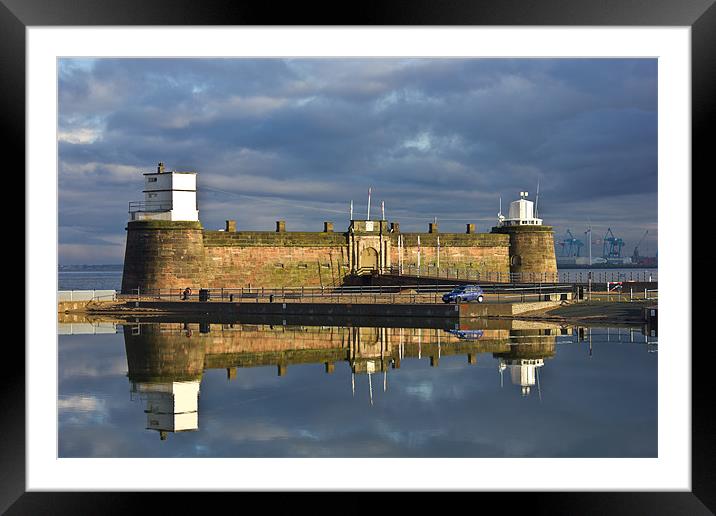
(467, 334)
(464, 294)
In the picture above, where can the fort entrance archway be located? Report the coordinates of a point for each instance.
(369, 258)
(369, 244)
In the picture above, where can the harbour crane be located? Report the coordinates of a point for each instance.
(635, 256)
(571, 246)
(612, 245)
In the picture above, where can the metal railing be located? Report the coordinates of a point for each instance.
(150, 206)
(86, 295)
(354, 294)
(606, 276)
(470, 274)
(623, 295)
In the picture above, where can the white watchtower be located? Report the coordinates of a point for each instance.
(167, 196)
(523, 371)
(521, 213)
(171, 406)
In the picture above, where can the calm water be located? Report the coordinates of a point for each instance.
(269, 390)
(89, 280)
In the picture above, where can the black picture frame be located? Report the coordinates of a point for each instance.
(700, 15)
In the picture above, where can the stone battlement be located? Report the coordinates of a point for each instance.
(452, 239)
(273, 238)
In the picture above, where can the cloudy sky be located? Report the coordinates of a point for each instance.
(297, 139)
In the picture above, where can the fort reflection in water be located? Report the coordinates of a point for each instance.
(166, 361)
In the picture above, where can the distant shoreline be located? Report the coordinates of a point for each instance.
(606, 266)
(83, 267)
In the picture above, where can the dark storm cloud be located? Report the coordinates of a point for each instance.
(299, 138)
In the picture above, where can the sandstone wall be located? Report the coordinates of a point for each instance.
(274, 259)
(163, 254)
(531, 252)
(484, 253)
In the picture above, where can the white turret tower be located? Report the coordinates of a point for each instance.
(167, 196)
(171, 406)
(521, 213)
(523, 371)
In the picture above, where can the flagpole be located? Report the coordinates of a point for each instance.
(418, 255)
(368, 218)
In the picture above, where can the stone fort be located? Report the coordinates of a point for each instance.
(167, 247)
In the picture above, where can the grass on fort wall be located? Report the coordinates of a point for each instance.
(163, 224)
(273, 238)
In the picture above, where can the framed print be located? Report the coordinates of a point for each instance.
(428, 112)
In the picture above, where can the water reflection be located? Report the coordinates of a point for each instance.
(337, 387)
(166, 361)
(170, 406)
